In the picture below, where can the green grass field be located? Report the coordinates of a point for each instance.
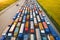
(53, 9)
(5, 3)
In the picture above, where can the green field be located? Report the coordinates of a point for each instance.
(5, 3)
(53, 9)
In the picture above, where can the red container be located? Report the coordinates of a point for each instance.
(26, 29)
(31, 31)
(45, 25)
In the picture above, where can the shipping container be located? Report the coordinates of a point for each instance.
(25, 12)
(50, 37)
(27, 24)
(15, 16)
(44, 38)
(16, 20)
(28, 17)
(38, 18)
(38, 36)
(31, 25)
(30, 12)
(26, 37)
(12, 27)
(16, 32)
(20, 19)
(13, 38)
(22, 13)
(32, 37)
(31, 16)
(35, 22)
(18, 24)
(57, 38)
(2, 37)
(20, 35)
(41, 26)
(46, 27)
(46, 20)
(34, 15)
(24, 19)
(36, 12)
(26, 29)
(52, 30)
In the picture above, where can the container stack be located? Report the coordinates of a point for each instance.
(30, 23)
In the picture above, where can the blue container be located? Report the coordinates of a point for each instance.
(24, 17)
(44, 38)
(23, 21)
(42, 20)
(53, 32)
(8, 38)
(57, 38)
(31, 19)
(47, 31)
(26, 36)
(15, 16)
(20, 35)
(3, 38)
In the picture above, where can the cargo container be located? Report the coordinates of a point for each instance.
(13, 38)
(44, 38)
(32, 37)
(57, 38)
(12, 27)
(25, 12)
(3, 38)
(27, 24)
(20, 10)
(20, 35)
(16, 31)
(38, 36)
(45, 27)
(36, 12)
(20, 19)
(35, 22)
(38, 18)
(41, 26)
(31, 25)
(24, 19)
(46, 20)
(30, 12)
(50, 37)
(28, 17)
(18, 24)
(31, 16)
(26, 29)
(34, 15)
(26, 37)
(52, 30)
(15, 16)
(43, 14)
(22, 13)
(16, 20)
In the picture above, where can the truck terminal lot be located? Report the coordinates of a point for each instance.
(30, 23)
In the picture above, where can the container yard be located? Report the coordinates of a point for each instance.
(30, 23)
